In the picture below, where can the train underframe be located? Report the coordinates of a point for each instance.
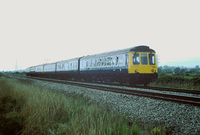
(130, 79)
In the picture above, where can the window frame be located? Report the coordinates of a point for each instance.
(142, 59)
(153, 62)
(133, 57)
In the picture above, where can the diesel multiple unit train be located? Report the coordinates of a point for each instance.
(136, 65)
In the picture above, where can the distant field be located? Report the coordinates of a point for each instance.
(26, 109)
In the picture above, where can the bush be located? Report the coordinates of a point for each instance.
(196, 81)
(9, 125)
(178, 81)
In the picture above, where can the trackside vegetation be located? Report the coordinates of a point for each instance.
(27, 109)
(178, 77)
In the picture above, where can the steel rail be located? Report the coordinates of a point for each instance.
(171, 89)
(159, 88)
(196, 92)
(195, 101)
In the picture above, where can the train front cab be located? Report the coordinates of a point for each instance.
(142, 67)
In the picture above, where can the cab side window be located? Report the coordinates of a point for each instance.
(151, 59)
(136, 59)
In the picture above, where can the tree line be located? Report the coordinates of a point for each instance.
(178, 70)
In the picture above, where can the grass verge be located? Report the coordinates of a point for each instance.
(174, 81)
(27, 109)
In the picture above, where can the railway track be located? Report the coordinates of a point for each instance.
(195, 101)
(172, 89)
(160, 88)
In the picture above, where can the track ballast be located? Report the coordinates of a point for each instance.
(195, 101)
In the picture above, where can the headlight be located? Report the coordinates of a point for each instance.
(136, 71)
(152, 70)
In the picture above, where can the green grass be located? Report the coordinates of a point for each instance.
(33, 110)
(176, 81)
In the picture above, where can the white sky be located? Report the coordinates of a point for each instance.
(33, 31)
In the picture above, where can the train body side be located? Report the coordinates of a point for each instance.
(60, 70)
(135, 65)
(112, 62)
(110, 66)
(67, 69)
(120, 66)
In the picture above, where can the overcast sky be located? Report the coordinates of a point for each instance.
(34, 32)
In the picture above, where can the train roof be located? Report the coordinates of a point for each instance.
(70, 60)
(141, 48)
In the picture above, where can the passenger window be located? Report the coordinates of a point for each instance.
(86, 63)
(144, 59)
(117, 60)
(151, 59)
(136, 59)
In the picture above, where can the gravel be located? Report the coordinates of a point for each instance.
(147, 90)
(178, 118)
